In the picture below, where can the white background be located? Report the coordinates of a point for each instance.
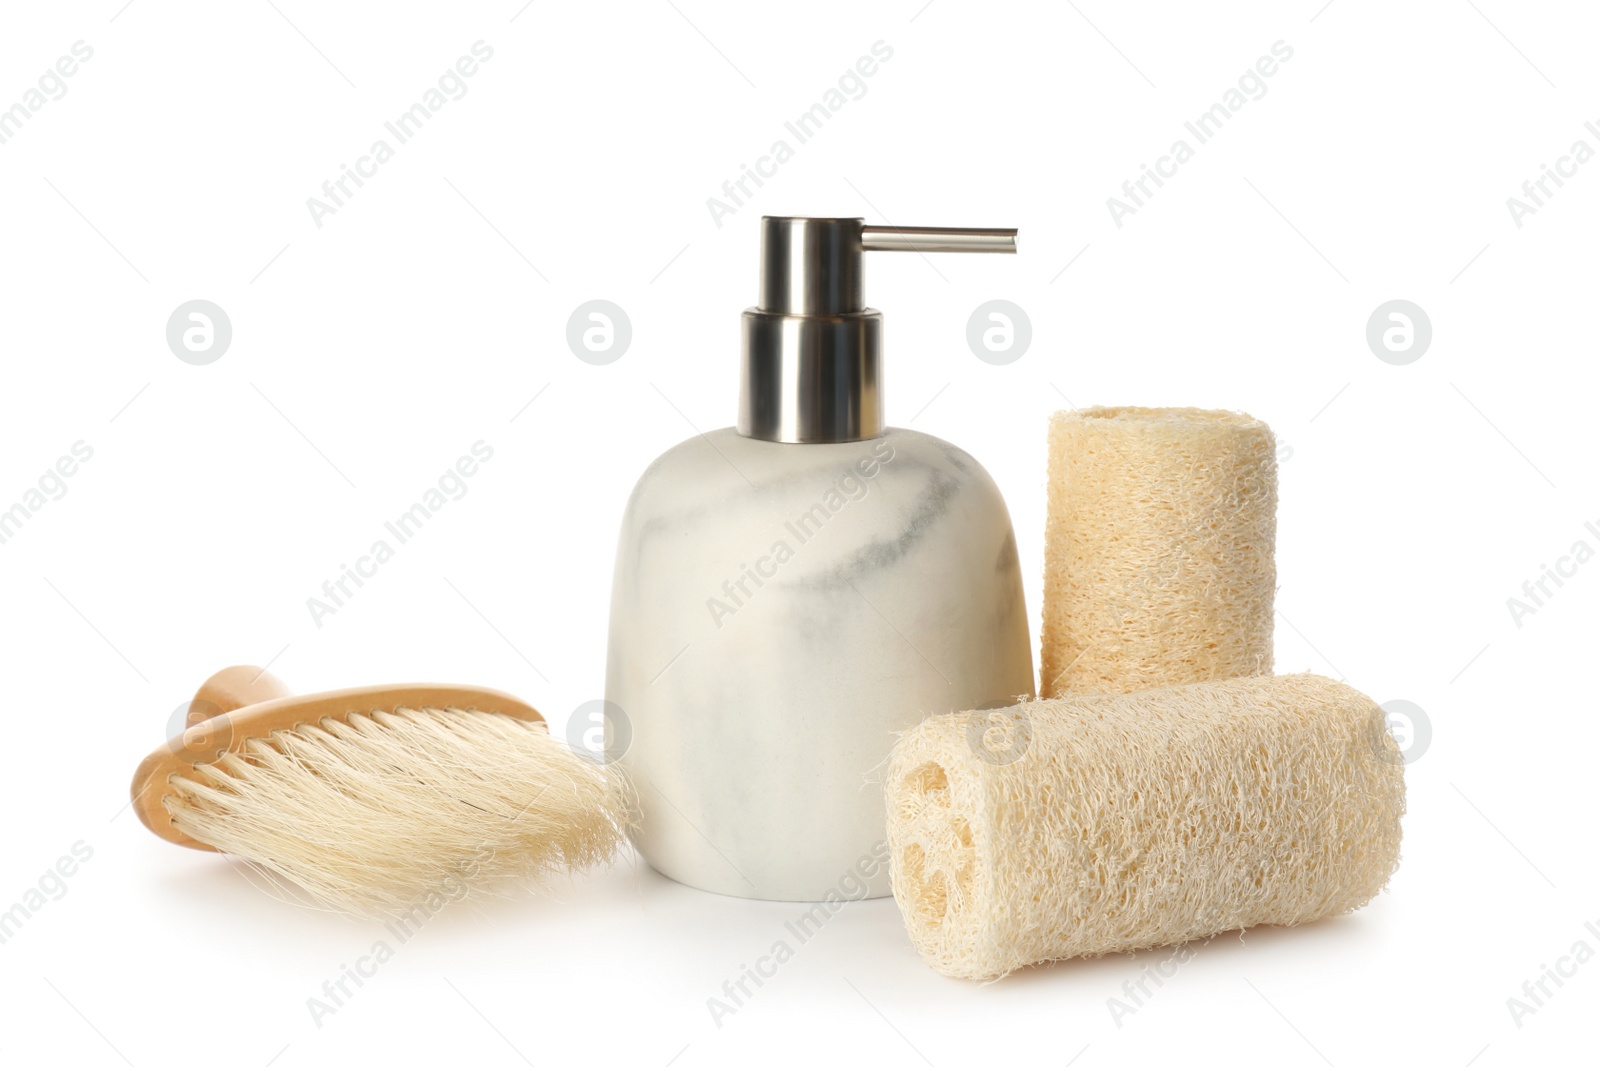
(369, 353)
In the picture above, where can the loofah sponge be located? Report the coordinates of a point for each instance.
(1094, 824)
(1158, 549)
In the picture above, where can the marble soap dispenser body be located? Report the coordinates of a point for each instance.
(792, 594)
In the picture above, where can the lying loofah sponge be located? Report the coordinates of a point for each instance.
(1158, 549)
(1096, 824)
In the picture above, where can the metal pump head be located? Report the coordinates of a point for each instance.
(811, 346)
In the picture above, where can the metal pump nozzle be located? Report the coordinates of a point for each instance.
(811, 346)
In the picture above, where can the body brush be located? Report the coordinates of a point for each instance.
(378, 798)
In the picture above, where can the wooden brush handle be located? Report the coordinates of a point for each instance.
(233, 688)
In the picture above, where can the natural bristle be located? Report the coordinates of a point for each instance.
(380, 811)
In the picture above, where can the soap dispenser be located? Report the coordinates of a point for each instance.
(793, 593)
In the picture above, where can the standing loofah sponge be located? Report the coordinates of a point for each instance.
(1158, 549)
(1096, 824)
